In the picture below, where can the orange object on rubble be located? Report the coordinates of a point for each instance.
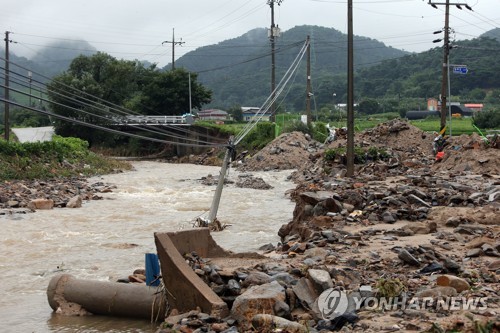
(439, 156)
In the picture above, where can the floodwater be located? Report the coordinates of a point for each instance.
(107, 239)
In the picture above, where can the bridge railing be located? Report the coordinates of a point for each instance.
(151, 120)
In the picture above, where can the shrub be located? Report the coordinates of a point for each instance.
(320, 132)
(487, 119)
(56, 158)
(258, 137)
(297, 126)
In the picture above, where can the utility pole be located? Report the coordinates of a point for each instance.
(350, 92)
(190, 102)
(6, 94)
(308, 92)
(274, 32)
(212, 215)
(173, 42)
(30, 79)
(446, 54)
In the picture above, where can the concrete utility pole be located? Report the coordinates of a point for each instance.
(272, 35)
(6, 94)
(220, 184)
(173, 42)
(308, 89)
(446, 54)
(350, 92)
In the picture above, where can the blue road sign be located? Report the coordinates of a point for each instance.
(460, 70)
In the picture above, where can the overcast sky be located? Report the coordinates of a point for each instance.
(136, 29)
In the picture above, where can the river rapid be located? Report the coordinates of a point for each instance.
(107, 239)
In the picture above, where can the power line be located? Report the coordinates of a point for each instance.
(272, 98)
(106, 129)
(112, 118)
(104, 107)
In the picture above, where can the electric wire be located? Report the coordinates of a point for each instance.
(106, 129)
(107, 104)
(265, 107)
(112, 117)
(269, 101)
(81, 122)
(117, 117)
(103, 108)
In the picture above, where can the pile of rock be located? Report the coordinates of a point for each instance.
(285, 293)
(294, 150)
(407, 227)
(26, 195)
(245, 180)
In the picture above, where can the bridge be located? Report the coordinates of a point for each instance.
(184, 120)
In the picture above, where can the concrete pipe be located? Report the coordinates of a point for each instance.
(70, 296)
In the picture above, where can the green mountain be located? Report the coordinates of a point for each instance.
(238, 71)
(494, 33)
(419, 75)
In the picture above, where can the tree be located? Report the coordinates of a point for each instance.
(167, 92)
(369, 106)
(236, 112)
(89, 90)
(95, 89)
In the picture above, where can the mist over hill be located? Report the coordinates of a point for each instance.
(57, 56)
(50, 60)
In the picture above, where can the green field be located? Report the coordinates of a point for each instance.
(458, 125)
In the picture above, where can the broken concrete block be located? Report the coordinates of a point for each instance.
(41, 204)
(257, 300)
(321, 279)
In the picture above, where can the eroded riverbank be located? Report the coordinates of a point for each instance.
(107, 239)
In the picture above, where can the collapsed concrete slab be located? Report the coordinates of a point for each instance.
(185, 290)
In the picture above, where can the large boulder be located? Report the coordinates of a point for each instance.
(268, 298)
(41, 204)
(74, 202)
(321, 279)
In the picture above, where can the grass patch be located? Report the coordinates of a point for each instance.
(458, 125)
(61, 157)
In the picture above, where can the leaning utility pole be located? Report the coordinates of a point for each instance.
(6, 94)
(173, 42)
(350, 92)
(446, 55)
(272, 35)
(212, 215)
(308, 92)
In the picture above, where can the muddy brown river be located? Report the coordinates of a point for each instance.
(107, 239)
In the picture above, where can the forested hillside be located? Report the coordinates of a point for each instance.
(238, 70)
(419, 75)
